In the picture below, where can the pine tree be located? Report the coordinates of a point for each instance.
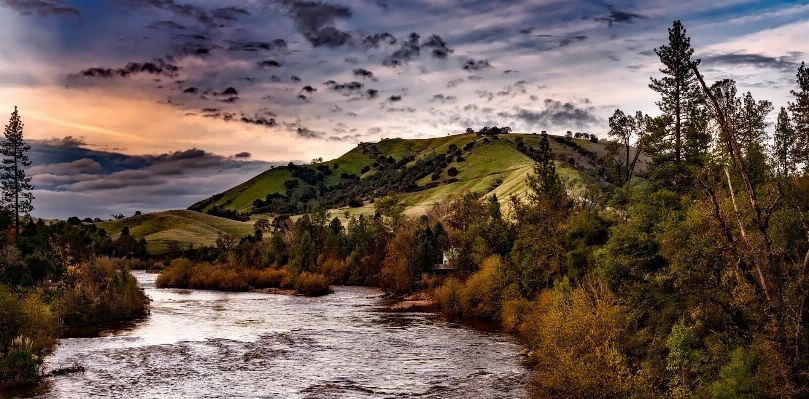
(16, 186)
(545, 183)
(784, 144)
(800, 118)
(678, 88)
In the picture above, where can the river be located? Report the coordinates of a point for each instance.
(250, 345)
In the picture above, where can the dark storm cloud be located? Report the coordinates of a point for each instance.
(784, 63)
(42, 8)
(266, 64)
(276, 44)
(309, 89)
(473, 65)
(557, 113)
(409, 49)
(345, 88)
(378, 38)
(191, 90)
(439, 46)
(616, 16)
(156, 67)
(316, 19)
(395, 98)
(363, 73)
(72, 180)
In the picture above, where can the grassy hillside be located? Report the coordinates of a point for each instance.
(180, 225)
(489, 166)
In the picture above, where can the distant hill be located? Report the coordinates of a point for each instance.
(180, 225)
(347, 185)
(488, 166)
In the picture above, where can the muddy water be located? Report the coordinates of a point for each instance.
(345, 345)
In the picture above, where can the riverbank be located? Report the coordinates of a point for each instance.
(246, 344)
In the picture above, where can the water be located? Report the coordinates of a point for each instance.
(249, 345)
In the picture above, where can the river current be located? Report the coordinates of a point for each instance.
(249, 345)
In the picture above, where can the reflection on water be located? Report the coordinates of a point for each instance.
(345, 345)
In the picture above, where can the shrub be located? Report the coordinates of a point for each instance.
(436, 175)
(452, 171)
(311, 284)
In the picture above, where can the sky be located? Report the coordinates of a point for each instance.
(155, 104)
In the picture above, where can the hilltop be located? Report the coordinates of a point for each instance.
(422, 171)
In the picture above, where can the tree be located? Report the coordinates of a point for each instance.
(784, 144)
(680, 95)
(545, 183)
(624, 128)
(15, 185)
(800, 117)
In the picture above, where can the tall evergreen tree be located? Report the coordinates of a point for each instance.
(16, 186)
(680, 102)
(678, 87)
(800, 117)
(784, 144)
(545, 183)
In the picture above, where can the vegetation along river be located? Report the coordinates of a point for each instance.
(344, 345)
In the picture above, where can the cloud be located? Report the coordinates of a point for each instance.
(43, 8)
(378, 38)
(242, 155)
(454, 82)
(571, 40)
(444, 99)
(274, 45)
(620, 17)
(439, 46)
(229, 13)
(783, 63)
(409, 49)
(316, 19)
(308, 133)
(156, 67)
(267, 64)
(72, 180)
(557, 113)
(395, 98)
(181, 9)
(165, 25)
(345, 88)
(363, 73)
(66, 168)
(473, 65)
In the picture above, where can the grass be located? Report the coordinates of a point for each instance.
(187, 227)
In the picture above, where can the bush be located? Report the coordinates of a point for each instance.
(28, 332)
(436, 175)
(311, 284)
(452, 171)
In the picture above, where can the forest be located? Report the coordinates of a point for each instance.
(686, 278)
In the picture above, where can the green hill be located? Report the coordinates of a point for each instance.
(487, 166)
(348, 184)
(179, 225)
